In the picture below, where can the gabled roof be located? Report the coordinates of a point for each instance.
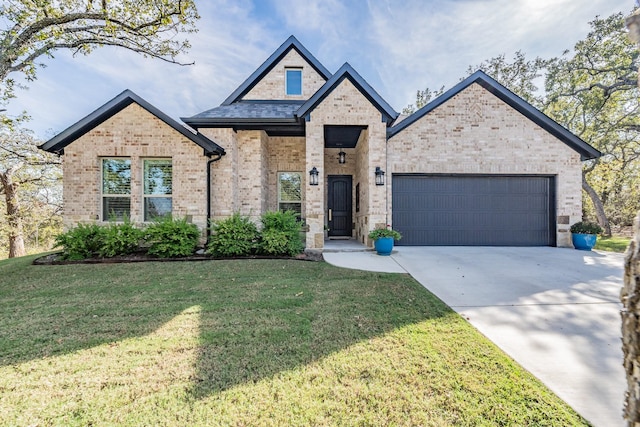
(347, 72)
(290, 43)
(585, 150)
(117, 104)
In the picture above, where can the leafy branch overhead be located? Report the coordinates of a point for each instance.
(36, 29)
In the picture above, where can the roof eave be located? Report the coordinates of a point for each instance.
(113, 107)
(227, 122)
(585, 150)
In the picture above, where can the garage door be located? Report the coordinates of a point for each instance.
(473, 210)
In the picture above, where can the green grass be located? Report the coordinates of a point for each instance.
(612, 244)
(256, 342)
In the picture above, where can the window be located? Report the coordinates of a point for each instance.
(290, 191)
(116, 189)
(293, 81)
(157, 175)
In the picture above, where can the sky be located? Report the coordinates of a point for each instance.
(399, 47)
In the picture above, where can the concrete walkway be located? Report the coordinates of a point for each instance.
(555, 311)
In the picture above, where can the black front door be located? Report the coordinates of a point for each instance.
(339, 205)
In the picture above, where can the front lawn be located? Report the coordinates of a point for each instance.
(254, 342)
(612, 244)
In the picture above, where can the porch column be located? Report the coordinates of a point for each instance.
(314, 194)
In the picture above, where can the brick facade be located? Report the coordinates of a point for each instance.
(477, 133)
(136, 134)
(473, 132)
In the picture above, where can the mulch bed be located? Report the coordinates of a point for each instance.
(56, 259)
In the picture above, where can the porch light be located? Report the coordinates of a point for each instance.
(379, 176)
(342, 157)
(313, 176)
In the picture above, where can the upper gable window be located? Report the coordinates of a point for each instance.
(293, 81)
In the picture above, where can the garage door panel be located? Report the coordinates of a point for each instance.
(473, 210)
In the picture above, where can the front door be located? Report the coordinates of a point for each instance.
(339, 205)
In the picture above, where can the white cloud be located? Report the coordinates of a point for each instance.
(430, 44)
(399, 47)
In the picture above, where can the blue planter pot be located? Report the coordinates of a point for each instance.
(583, 242)
(384, 245)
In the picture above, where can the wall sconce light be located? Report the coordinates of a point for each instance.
(342, 157)
(313, 176)
(379, 176)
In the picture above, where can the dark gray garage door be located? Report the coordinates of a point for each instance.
(474, 210)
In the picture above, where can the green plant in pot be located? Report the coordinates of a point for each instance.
(584, 235)
(383, 239)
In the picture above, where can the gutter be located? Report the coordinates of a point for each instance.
(209, 162)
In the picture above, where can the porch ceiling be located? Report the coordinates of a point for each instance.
(342, 136)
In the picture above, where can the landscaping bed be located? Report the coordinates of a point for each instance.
(58, 259)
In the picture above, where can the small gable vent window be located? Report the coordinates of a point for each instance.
(293, 81)
(116, 189)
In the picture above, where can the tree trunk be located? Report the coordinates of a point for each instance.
(597, 204)
(16, 239)
(630, 296)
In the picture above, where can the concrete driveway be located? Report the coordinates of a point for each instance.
(555, 311)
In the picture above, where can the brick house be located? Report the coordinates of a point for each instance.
(476, 166)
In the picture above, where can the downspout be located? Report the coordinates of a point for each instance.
(209, 162)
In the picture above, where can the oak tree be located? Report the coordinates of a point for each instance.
(35, 29)
(30, 181)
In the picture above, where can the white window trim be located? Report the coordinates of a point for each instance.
(280, 193)
(103, 195)
(286, 80)
(145, 196)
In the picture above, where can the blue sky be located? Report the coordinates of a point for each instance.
(397, 46)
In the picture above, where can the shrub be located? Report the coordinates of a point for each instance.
(120, 239)
(377, 233)
(280, 234)
(234, 236)
(585, 227)
(168, 237)
(81, 242)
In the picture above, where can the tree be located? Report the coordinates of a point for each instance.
(630, 294)
(422, 98)
(39, 28)
(593, 92)
(36, 29)
(31, 175)
(520, 75)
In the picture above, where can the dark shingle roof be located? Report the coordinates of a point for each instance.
(247, 110)
(111, 108)
(585, 150)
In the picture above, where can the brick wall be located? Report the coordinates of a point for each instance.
(272, 85)
(225, 197)
(477, 133)
(137, 134)
(285, 154)
(246, 179)
(252, 173)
